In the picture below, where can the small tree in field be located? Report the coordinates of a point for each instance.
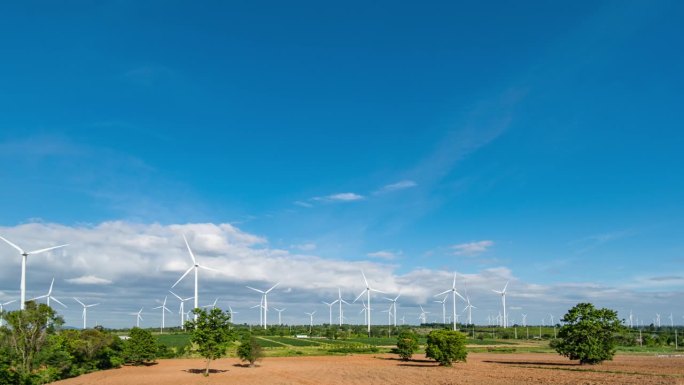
(140, 348)
(211, 333)
(249, 350)
(407, 344)
(446, 346)
(588, 334)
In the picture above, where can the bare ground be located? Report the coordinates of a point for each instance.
(481, 368)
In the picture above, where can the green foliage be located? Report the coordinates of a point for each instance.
(211, 333)
(140, 348)
(28, 331)
(446, 346)
(407, 344)
(249, 349)
(588, 334)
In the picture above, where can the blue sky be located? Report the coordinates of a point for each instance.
(536, 142)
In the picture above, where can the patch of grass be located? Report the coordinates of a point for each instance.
(174, 340)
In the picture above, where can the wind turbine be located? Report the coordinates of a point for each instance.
(469, 307)
(310, 320)
(393, 307)
(443, 302)
(213, 305)
(230, 310)
(280, 311)
(181, 310)
(340, 301)
(524, 319)
(49, 296)
(454, 294)
(24, 256)
(503, 302)
(265, 301)
(330, 305)
(2, 305)
(423, 314)
(138, 317)
(85, 310)
(195, 266)
(367, 291)
(163, 309)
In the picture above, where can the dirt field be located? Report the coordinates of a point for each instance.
(481, 368)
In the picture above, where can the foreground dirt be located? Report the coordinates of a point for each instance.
(481, 368)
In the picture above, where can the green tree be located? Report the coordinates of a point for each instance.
(27, 333)
(588, 334)
(211, 333)
(249, 349)
(140, 347)
(446, 346)
(407, 344)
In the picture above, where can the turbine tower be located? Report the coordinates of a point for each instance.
(340, 301)
(49, 296)
(443, 302)
(504, 322)
(330, 305)
(163, 309)
(265, 301)
(85, 311)
(24, 257)
(280, 311)
(454, 293)
(195, 266)
(310, 320)
(367, 291)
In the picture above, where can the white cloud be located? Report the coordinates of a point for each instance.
(88, 280)
(342, 197)
(384, 254)
(304, 246)
(303, 204)
(472, 248)
(404, 184)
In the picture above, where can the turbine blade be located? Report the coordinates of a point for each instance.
(455, 292)
(194, 261)
(454, 284)
(208, 268)
(13, 245)
(364, 278)
(58, 301)
(362, 293)
(183, 276)
(82, 304)
(504, 289)
(46, 249)
(51, 283)
(444, 292)
(274, 286)
(176, 295)
(260, 291)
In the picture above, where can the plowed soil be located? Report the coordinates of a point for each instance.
(481, 368)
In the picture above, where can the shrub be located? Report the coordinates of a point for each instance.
(446, 346)
(407, 344)
(140, 348)
(250, 350)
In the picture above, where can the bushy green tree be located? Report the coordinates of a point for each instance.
(249, 349)
(211, 333)
(446, 346)
(407, 344)
(588, 334)
(140, 348)
(27, 333)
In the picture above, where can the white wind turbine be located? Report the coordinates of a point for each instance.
(181, 310)
(364, 310)
(212, 305)
(367, 291)
(138, 317)
(503, 303)
(280, 312)
(340, 301)
(443, 302)
(423, 315)
(330, 305)
(24, 257)
(163, 309)
(310, 320)
(261, 311)
(454, 294)
(230, 310)
(49, 296)
(2, 306)
(524, 319)
(85, 311)
(195, 266)
(393, 307)
(469, 307)
(265, 301)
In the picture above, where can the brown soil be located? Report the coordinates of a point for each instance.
(481, 368)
